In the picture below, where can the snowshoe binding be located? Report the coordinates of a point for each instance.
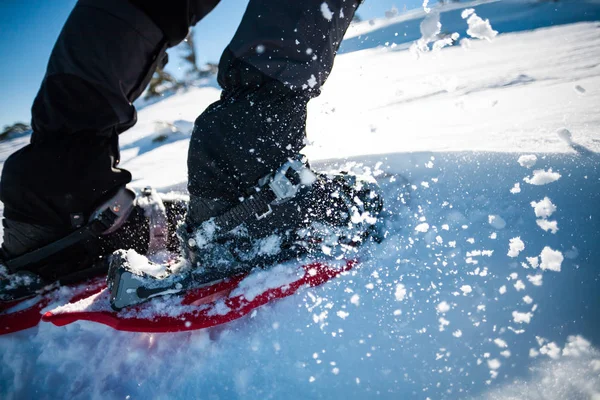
(146, 223)
(292, 213)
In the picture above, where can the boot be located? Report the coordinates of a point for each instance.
(38, 255)
(292, 213)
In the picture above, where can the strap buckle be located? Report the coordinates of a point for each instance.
(289, 178)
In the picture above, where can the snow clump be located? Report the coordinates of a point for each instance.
(543, 208)
(478, 28)
(542, 177)
(400, 293)
(551, 259)
(527, 160)
(443, 307)
(546, 225)
(327, 14)
(496, 221)
(516, 245)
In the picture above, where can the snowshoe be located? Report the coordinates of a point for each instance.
(293, 213)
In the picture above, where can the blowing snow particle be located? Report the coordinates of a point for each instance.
(496, 221)
(542, 177)
(546, 225)
(424, 227)
(494, 363)
(536, 280)
(327, 14)
(527, 160)
(565, 135)
(516, 245)
(500, 343)
(466, 13)
(480, 29)
(543, 208)
(466, 289)
(551, 259)
(516, 189)
(443, 307)
(520, 317)
(400, 292)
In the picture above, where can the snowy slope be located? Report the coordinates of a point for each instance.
(451, 304)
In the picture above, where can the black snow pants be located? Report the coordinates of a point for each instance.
(105, 56)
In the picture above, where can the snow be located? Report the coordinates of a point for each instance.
(542, 177)
(476, 111)
(326, 12)
(543, 208)
(479, 28)
(400, 292)
(527, 160)
(551, 259)
(516, 246)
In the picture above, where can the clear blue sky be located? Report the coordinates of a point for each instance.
(29, 28)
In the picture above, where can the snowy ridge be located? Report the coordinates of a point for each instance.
(486, 285)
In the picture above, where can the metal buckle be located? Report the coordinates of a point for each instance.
(281, 185)
(265, 214)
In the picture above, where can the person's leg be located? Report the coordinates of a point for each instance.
(277, 61)
(102, 61)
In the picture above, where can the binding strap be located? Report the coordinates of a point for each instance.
(106, 219)
(277, 188)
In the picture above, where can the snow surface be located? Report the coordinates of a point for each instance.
(438, 310)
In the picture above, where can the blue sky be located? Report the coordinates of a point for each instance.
(29, 28)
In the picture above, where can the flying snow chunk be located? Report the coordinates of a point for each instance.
(500, 343)
(312, 82)
(496, 221)
(443, 307)
(494, 364)
(546, 225)
(327, 14)
(543, 208)
(480, 29)
(400, 292)
(542, 177)
(519, 285)
(457, 333)
(466, 13)
(520, 317)
(551, 259)
(565, 135)
(536, 280)
(551, 350)
(516, 189)
(527, 160)
(424, 227)
(466, 289)
(342, 314)
(516, 245)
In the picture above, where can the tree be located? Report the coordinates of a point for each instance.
(161, 82)
(14, 129)
(189, 54)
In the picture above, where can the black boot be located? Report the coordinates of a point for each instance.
(293, 212)
(35, 256)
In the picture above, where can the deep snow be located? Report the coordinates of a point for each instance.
(487, 283)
